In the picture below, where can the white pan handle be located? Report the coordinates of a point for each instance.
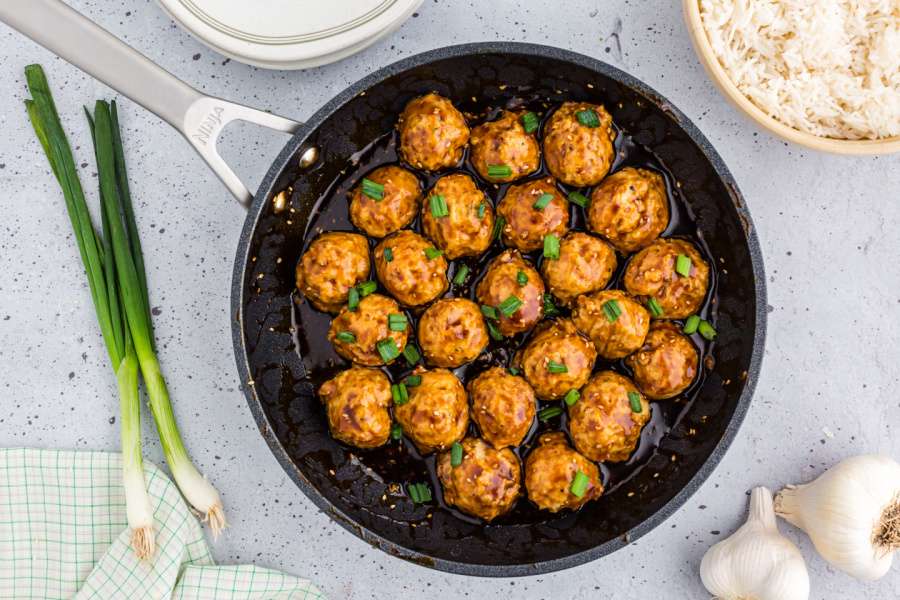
(200, 118)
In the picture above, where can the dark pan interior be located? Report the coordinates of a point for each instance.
(338, 479)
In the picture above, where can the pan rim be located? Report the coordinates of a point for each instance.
(452, 566)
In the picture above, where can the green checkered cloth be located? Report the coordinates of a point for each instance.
(64, 534)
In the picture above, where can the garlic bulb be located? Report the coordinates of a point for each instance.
(851, 513)
(756, 562)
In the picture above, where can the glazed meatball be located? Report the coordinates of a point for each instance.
(452, 332)
(395, 209)
(411, 269)
(504, 143)
(579, 153)
(585, 264)
(334, 262)
(356, 403)
(531, 211)
(503, 407)
(486, 484)
(615, 322)
(458, 217)
(550, 470)
(652, 274)
(604, 423)
(356, 333)
(666, 364)
(433, 133)
(557, 359)
(437, 412)
(511, 276)
(629, 208)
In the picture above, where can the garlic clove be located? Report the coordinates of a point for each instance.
(756, 562)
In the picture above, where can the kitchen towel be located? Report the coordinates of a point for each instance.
(64, 534)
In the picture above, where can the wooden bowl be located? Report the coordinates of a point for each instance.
(720, 77)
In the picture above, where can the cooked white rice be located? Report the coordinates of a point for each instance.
(827, 67)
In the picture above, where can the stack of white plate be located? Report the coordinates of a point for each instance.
(289, 34)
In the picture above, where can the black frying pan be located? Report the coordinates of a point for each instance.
(264, 328)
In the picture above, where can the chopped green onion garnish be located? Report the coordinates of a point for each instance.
(635, 400)
(691, 325)
(498, 171)
(456, 454)
(530, 122)
(399, 394)
(481, 208)
(579, 199)
(509, 306)
(438, 206)
(419, 492)
(495, 333)
(388, 255)
(579, 484)
(707, 330)
(366, 288)
(396, 431)
(555, 367)
(683, 265)
(353, 299)
(346, 336)
(571, 397)
(387, 349)
(655, 309)
(550, 309)
(549, 412)
(397, 322)
(413, 491)
(588, 117)
(432, 253)
(513, 371)
(521, 278)
(551, 246)
(372, 190)
(490, 312)
(499, 224)
(542, 201)
(460, 276)
(413, 380)
(612, 310)
(411, 354)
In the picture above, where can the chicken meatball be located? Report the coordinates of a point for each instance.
(606, 422)
(411, 269)
(531, 211)
(615, 322)
(550, 471)
(654, 273)
(452, 332)
(389, 209)
(578, 143)
(504, 143)
(433, 133)
(458, 217)
(356, 403)
(334, 262)
(666, 364)
(585, 264)
(557, 359)
(629, 208)
(486, 484)
(356, 333)
(437, 412)
(511, 282)
(503, 407)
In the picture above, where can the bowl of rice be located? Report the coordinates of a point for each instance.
(821, 73)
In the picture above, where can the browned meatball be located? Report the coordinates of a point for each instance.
(503, 406)
(394, 210)
(465, 228)
(486, 484)
(585, 264)
(557, 359)
(666, 364)
(629, 208)
(452, 332)
(334, 262)
(411, 269)
(616, 330)
(433, 133)
(550, 470)
(531, 211)
(604, 423)
(356, 333)
(356, 403)
(652, 274)
(503, 281)
(577, 153)
(504, 143)
(437, 412)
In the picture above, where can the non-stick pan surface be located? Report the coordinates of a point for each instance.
(336, 478)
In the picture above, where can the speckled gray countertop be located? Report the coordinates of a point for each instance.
(828, 227)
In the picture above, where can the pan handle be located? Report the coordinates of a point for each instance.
(200, 118)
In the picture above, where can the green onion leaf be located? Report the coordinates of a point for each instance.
(555, 367)
(438, 206)
(499, 224)
(571, 397)
(521, 278)
(411, 354)
(399, 394)
(691, 325)
(655, 309)
(346, 336)
(530, 122)
(513, 371)
(548, 413)
(456, 454)
(373, 190)
(551, 246)
(550, 309)
(683, 265)
(432, 253)
(366, 288)
(413, 491)
(588, 117)
(413, 380)
(424, 492)
(353, 299)
(494, 331)
(579, 484)
(397, 322)
(498, 171)
(481, 209)
(509, 306)
(635, 400)
(387, 349)
(707, 330)
(579, 199)
(490, 312)
(388, 255)
(542, 201)
(612, 310)
(396, 431)
(460, 276)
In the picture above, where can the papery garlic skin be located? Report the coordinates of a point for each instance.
(756, 562)
(843, 512)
